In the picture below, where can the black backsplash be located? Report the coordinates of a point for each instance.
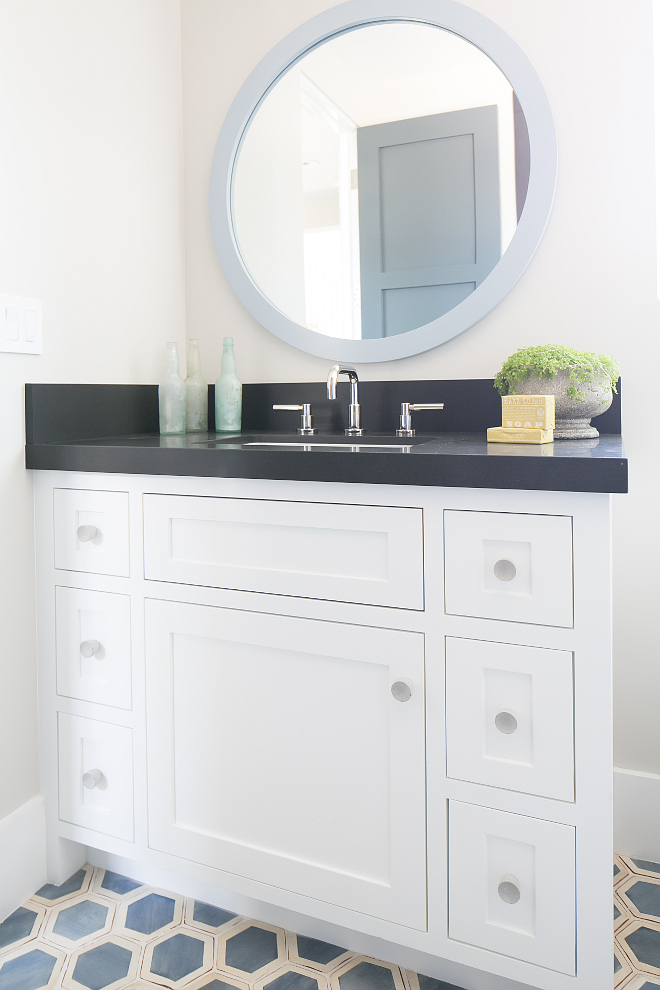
(78, 412)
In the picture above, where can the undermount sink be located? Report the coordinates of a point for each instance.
(320, 442)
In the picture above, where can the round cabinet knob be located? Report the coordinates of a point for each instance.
(92, 779)
(89, 648)
(402, 690)
(506, 722)
(504, 570)
(509, 892)
(87, 533)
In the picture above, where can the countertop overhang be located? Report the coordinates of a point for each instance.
(453, 460)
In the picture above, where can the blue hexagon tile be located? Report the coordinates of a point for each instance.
(114, 885)
(149, 914)
(364, 973)
(109, 964)
(79, 920)
(34, 966)
(251, 949)
(293, 977)
(640, 941)
(217, 981)
(21, 926)
(641, 897)
(179, 957)
(77, 884)
(313, 953)
(644, 867)
(208, 918)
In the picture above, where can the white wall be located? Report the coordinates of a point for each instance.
(91, 223)
(591, 285)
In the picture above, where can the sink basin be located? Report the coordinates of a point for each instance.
(325, 442)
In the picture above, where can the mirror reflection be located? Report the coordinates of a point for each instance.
(380, 180)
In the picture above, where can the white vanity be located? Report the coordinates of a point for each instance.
(386, 708)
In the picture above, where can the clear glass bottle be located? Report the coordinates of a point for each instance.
(172, 395)
(228, 392)
(197, 393)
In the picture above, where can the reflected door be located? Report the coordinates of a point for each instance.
(429, 197)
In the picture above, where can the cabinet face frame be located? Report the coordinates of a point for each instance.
(589, 640)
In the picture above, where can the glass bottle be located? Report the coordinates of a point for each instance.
(197, 393)
(228, 392)
(172, 395)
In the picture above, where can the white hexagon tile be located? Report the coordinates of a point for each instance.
(103, 931)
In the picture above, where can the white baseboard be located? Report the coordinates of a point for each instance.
(22, 854)
(637, 814)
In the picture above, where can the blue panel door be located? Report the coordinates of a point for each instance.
(429, 216)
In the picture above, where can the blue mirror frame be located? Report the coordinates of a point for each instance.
(510, 59)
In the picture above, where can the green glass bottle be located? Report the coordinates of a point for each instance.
(172, 395)
(228, 392)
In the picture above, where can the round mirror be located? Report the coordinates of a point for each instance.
(379, 187)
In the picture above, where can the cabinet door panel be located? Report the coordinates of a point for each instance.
(510, 717)
(102, 621)
(509, 565)
(512, 885)
(85, 747)
(370, 554)
(103, 548)
(278, 751)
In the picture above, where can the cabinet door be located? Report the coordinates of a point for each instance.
(278, 751)
(512, 885)
(509, 565)
(510, 717)
(94, 646)
(369, 554)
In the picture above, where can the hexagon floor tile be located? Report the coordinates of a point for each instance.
(100, 930)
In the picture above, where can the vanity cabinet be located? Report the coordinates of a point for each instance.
(387, 709)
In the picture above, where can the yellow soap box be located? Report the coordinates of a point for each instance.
(499, 434)
(528, 412)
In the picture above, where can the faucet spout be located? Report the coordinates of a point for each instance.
(354, 428)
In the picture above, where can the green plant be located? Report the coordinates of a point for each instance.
(547, 360)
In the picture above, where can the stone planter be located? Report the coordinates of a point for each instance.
(572, 416)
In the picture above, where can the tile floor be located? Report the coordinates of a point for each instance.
(102, 931)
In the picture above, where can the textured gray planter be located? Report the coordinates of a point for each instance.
(572, 416)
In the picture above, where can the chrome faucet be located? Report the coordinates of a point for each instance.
(354, 428)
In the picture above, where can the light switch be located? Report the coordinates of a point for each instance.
(20, 325)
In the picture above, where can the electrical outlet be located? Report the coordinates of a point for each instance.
(20, 325)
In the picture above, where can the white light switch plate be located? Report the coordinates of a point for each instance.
(20, 325)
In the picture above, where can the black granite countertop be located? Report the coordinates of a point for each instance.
(443, 459)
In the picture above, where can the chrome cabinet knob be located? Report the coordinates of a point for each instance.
(405, 420)
(92, 779)
(509, 892)
(87, 533)
(89, 648)
(306, 429)
(504, 570)
(506, 722)
(402, 690)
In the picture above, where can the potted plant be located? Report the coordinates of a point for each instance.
(580, 381)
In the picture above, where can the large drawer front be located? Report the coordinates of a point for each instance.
(104, 751)
(510, 717)
(512, 885)
(512, 566)
(94, 646)
(91, 531)
(367, 554)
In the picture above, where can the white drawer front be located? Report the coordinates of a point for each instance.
(501, 565)
(94, 646)
(86, 746)
(91, 531)
(512, 884)
(510, 717)
(349, 553)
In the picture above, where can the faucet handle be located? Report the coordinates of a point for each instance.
(405, 420)
(305, 429)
